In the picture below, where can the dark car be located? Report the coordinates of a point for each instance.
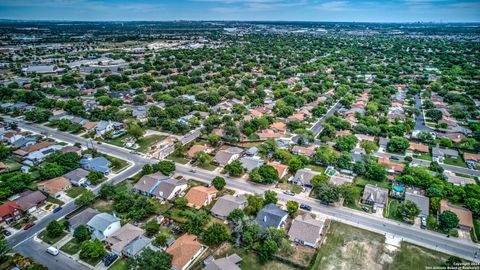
(325, 203)
(366, 209)
(394, 158)
(6, 232)
(288, 192)
(305, 207)
(28, 226)
(109, 259)
(57, 209)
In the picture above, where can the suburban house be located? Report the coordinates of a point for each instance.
(464, 215)
(271, 216)
(303, 177)
(200, 196)
(136, 246)
(190, 136)
(97, 164)
(305, 151)
(12, 137)
(103, 225)
(148, 183)
(422, 202)
(122, 237)
(37, 157)
(227, 156)
(282, 170)
(252, 151)
(77, 177)
(25, 142)
(81, 219)
(392, 167)
(168, 189)
(10, 212)
(473, 159)
(103, 127)
(228, 263)
(32, 148)
(382, 143)
(439, 154)
(71, 149)
(306, 230)
(278, 127)
(340, 179)
(227, 204)
(55, 187)
(456, 180)
(251, 163)
(29, 200)
(184, 251)
(417, 148)
(375, 196)
(198, 148)
(89, 126)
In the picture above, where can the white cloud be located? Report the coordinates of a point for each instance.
(335, 6)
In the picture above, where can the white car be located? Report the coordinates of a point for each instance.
(53, 251)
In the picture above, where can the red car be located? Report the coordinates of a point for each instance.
(28, 226)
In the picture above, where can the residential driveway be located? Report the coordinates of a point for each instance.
(40, 213)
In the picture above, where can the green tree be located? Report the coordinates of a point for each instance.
(369, 147)
(215, 234)
(150, 260)
(255, 203)
(434, 114)
(214, 140)
(328, 192)
(267, 249)
(181, 202)
(160, 240)
(218, 182)
(195, 222)
(448, 220)
(408, 210)
(51, 170)
(319, 179)
(107, 191)
(397, 145)
(81, 233)
(435, 167)
(166, 167)
(94, 177)
(4, 151)
(235, 168)
(87, 198)
(235, 215)
(295, 164)
(346, 143)
(270, 197)
(292, 207)
(4, 248)
(202, 159)
(54, 229)
(92, 250)
(152, 227)
(349, 193)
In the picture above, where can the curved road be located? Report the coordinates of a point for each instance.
(459, 247)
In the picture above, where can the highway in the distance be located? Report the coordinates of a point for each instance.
(454, 246)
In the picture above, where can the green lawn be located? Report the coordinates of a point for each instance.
(54, 200)
(414, 257)
(391, 211)
(287, 186)
(423, 156)
(316, 168)
(176, 159)
(119, 265)
(146, 142)
(361, 181)
(356, 205)
(160, 209)
(178, 215)
(456, 162)
(93, 262)
(12, 165)
(209, 167)
(71, 247)
(103, 206)
(475, 232)
(75, 191)
(43, 236)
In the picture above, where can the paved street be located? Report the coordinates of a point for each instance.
(420, 118)
(318, 126)
(458, 247)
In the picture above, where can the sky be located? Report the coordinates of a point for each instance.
(256, 10)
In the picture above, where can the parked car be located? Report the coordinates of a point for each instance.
(366, 209)
(57, 209)
(305, 207)
(325, 203)
(193, 171)
(394, 158)
(423, 222)
(109, 259)
(28, 226)
(53, 251)
(288, 192)
(6, 232)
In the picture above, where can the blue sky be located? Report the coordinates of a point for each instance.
(285, 10)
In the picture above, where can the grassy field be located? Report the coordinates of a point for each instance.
(361, 181)
(455, 162)
(71, 247)
(391, 210)
(347, 247)
(146, 142)
(43, 236)
(75, 191)
(356, 204)
(423, 156)
(103, 206)
(176, 159)
(119, 265)
(287, 186)
(93, 261)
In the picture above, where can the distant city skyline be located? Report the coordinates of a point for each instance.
(242, 10)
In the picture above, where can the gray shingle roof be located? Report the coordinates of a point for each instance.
(227, 204)
(305, 228)
(29, 199)
(83, 218)
(270, 216)
(375, 194)
(137, 245)
(422, 202)
(305, 175)
(227, 263)
(165, 188)
(250, 163)
(101, 221)
(76, 175)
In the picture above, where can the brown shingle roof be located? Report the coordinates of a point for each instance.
(464, 215)
(470, 156)
(281, 169)
(198, 195)
(418, 147)
(55, 185)
(198, 148)
(183, 250)
(29, 149)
